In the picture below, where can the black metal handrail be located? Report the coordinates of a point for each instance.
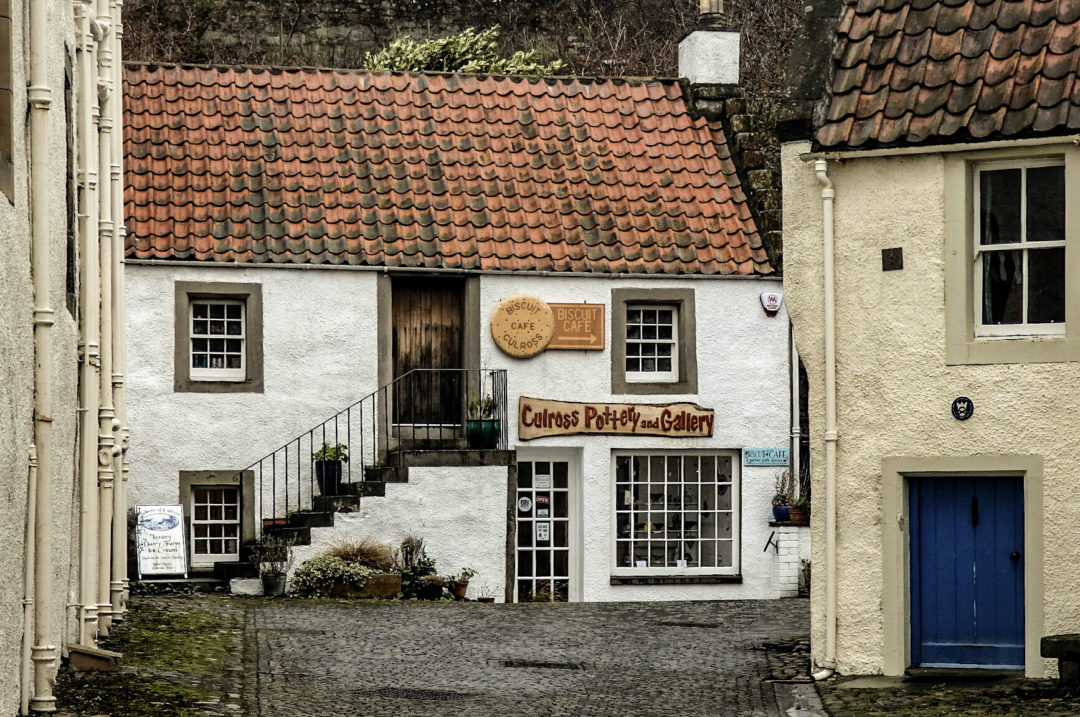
(423, 409)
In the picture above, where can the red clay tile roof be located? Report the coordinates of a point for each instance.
(446, 171)
(912, 71)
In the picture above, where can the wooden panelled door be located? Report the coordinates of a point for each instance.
(428, 315)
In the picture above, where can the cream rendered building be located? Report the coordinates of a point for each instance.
(63, 437)
(932, 242)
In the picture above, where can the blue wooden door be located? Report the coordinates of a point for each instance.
(967, 572)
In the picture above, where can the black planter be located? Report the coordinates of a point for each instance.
(328, 476)
(482, 433)
(273, 584)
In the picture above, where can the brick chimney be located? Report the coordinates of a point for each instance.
(709, 54)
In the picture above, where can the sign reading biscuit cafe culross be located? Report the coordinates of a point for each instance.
(539, 417)
(522, 325)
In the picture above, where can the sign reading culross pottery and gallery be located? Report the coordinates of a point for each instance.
(539, 417)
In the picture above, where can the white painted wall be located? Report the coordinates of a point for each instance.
(743, 374)
(320, 355)
(319, 348)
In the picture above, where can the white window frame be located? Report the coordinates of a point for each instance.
(1024, 329)
(204, 559)
(639, 376)
(217, 374)
(736, 518)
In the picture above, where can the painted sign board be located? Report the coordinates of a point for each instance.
(766, 457)
(539, 417)
(578, 327)
(522, 325)
(159, 540)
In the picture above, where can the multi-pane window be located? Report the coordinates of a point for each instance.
(676, 512)
(217, 339)
(651, 339)
(1020, 248)
(215, 524)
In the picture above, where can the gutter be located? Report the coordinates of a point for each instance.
(39, 97)
(436, 270)
(840, 155)
(828, 194)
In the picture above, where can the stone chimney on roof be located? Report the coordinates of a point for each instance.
(709, 54)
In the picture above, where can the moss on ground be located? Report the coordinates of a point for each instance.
(1012, 698)
(175, 656)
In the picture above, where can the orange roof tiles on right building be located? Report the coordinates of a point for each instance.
(914, 71)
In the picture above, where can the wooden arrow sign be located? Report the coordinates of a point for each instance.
(578, 327)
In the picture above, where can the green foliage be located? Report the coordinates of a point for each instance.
(318, 576)
(784, 488)
(367, 552)
(468, 52)
(332, 452)
(464, 576)
(482, 408)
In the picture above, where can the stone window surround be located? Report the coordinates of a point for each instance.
(227, 478)
(251, 295)
(896, 588)
(681, 299)
(961, 344)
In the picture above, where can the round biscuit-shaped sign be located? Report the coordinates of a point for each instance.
(522, 325)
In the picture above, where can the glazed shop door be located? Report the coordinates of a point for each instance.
(547, 550)
(427, 322)
(967, 572)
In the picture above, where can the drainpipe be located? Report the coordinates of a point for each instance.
(91, 330)
(39, 96)
(25, 672)
(796, 425)
(821, 169)
(119, 527)
(106, 416)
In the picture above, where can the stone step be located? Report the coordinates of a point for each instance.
(367, 489)
(405, 459)
(300, 535)
(228, 571)
(88, 658)
(312, 519)
(386, 474)
(336, 503)
(202, 583)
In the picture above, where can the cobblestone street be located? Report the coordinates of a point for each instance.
(391, 658)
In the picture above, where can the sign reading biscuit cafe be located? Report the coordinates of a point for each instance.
(538, 417)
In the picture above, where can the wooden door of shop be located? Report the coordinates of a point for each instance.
(427, 323)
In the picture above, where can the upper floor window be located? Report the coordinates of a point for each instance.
(652, 334)
(217, 340)
(218, 337)
(1019, 277)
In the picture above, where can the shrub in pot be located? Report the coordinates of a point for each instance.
(274, 556)
(328, 462)
(459, 584)
(482, 428)
(782, 491)
(799, 510)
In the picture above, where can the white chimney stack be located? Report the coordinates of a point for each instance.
(709, 54)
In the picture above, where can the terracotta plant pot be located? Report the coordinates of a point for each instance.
(485, 599)
(799, 515)
(460, 589)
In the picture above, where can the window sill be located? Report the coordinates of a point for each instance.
(1003, 350)
(676, 580)
(788, 524)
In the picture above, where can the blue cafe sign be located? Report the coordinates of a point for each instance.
(766, 457)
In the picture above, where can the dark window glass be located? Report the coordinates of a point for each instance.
(1046, 285)
(1003, 287)
(999, 198)
(1045, 204)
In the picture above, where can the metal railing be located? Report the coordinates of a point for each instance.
(423, 409)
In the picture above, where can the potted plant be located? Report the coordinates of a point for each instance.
(485, 593)
(482, 428)
(799, 510)
(328, 460)
(781, 497)
(274, 556)
(459, 584)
